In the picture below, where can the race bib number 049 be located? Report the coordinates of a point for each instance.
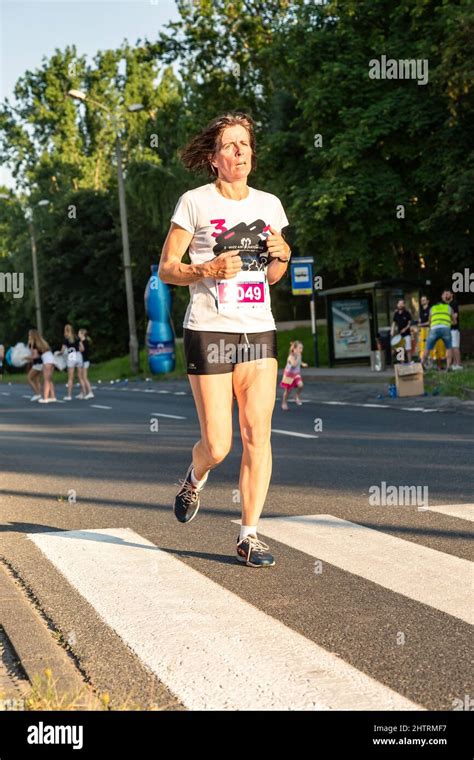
(245, 291)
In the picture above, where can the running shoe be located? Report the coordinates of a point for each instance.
(254, 552)
(89, 395)
(80, 395)
(67, 398)
(36, 397)
(186, 503)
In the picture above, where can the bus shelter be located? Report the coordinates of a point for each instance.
(358, 316)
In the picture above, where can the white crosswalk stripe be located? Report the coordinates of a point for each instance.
(463, 511)
(426, 575)
(211, 648)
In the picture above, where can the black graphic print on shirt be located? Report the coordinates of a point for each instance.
(248, 239)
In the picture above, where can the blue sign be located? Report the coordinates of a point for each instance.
(302, 276)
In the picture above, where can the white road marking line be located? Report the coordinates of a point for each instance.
(171, 416)
(5, 394)
(464, 511)
(100, 406)
(297, 435)
(211, 648)
(426, 575)
(26, 396)
(374, 406)
(379, 406)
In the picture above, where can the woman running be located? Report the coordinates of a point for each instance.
(82, 372)
(292, 374)
(237, 251)
(74, 358)
(40, 348)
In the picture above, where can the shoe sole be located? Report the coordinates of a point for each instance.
(250, 564)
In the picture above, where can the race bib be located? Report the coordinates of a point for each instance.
(244, 291)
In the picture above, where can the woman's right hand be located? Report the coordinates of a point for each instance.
(224, 266)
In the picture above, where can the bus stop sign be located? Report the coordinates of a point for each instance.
(302, 276)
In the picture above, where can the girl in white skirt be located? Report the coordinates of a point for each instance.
(73, 359)
(40, 347)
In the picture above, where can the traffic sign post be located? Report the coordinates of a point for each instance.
(302, 284)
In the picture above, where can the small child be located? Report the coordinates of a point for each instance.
(291, 374)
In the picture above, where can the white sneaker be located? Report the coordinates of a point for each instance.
(43, 401)
(36, 397)
(67, 398)
(89, 395)
(81, 395)
(457, 366)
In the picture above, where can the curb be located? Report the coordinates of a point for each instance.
(34, 646)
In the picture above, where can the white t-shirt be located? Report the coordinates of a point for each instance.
(240, 304)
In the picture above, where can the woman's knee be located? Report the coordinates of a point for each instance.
(217, 449)
(256, 435)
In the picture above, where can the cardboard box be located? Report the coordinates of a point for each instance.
(409, 380)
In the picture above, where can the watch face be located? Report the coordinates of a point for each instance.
(249, 240)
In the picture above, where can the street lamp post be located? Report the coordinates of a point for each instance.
(39, 318)
(133, 341)
(127, 266)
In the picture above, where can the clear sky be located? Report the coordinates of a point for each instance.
(31, 29)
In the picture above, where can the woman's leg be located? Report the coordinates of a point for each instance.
(48, 391)
(87, 384)
(284, 401)
(213, 399)
(80, 377)
(33, 378)
(70, 380)
(255, 390)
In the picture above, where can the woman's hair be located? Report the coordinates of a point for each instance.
(37, 341)
(69, 332)
(196, 155)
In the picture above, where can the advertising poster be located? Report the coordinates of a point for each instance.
(351, 328)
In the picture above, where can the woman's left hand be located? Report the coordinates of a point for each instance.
(276, 245)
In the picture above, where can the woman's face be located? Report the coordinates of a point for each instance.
(233, 157)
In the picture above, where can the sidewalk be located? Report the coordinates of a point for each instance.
(349, 374)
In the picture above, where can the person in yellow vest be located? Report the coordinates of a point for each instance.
(440, 328)
(439, 351)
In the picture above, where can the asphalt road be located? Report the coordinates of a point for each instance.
(122, 473)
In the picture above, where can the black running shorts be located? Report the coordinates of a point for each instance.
(216, 353)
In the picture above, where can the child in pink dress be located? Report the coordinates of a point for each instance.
(291, 374)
